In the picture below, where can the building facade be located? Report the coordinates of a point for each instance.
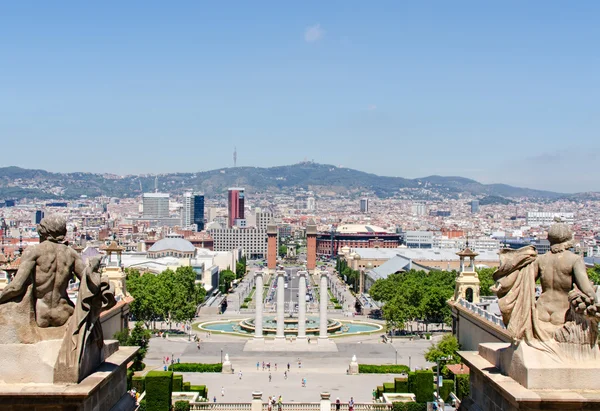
(364, 205)
(546, 218)
(252, 240)
(198, 215)
(156, 205)
(235, 207)
(354, 236)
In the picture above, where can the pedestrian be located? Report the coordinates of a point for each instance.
(165, 368)
(215, 398)
(338, 404)
(178, 360)
(222, 391)
(285, 375)
(304, 382)
(351, 404)
(279, 403)
(374, 394)
(275, 366)
(288, 366)
(263, 365)
(240, 374)
(257, 365)
(270, 404)
(269, 377)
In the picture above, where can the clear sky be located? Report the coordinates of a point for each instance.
(505, 91)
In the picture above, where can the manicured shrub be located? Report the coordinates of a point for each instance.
(409, 406)
(389, 387)
(159, 387)
(186, 386)
(337, 307)
(462, 386)
(139, 383)
(446, 389)
(244, 305)
(401, 384)
(196, 367)
(422, 385)
(129, 378)
(177, 382)
(182, 406)
(379, 391)
(382, 369)
(143, 405)
(201, 389)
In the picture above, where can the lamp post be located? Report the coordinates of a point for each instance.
(437, 384)
(221, 356)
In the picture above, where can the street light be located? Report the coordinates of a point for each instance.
(222, 357)
(448, 358)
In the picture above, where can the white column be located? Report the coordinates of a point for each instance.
(258, 296)
(257, 403)
(323, 300)
(302, 275)
(280, 305)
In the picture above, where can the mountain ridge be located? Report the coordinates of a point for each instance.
(17, 182)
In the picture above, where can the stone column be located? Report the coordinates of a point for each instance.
(325, 404)
(257, 403)
(323, 300)
(258, 295)
(302, 275)
(280, 305)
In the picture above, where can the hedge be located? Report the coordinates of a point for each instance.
(177, 382)
(389, 387)
(182, 406)
(422, 385)
(244, 305)
(380, 391)
(382, 369)
(409, 406)
(446, 389)
(196, 367)
(129, 378)
(201, 389)
(401, 384)
(186, 386)
(139, 383)
(462, 386)
(159, 387)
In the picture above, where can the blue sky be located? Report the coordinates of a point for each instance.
(496, 91)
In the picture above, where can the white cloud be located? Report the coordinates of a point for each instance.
(313, 33)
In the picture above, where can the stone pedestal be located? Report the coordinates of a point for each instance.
(323, 300)
(227, 367)
(353, 368)
(257, 403)
(550, 385)
(258, 297)
(280, 305)
(100, 391)
(302, 275)
(325, 401)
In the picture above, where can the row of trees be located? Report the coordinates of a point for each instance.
(420, 296)
(169, 296)
(350, 276)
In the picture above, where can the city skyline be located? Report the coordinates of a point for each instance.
(500, 93)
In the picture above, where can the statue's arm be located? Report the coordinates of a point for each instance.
(581, 278)
(17, 286)
(78, 265)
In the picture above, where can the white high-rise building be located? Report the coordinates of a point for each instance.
(539, 218)
(187, 212)
(311, 204)
(419, 208)
(156, 205)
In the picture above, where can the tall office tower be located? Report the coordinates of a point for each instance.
(311, 204)
(364, 205)
(156, 205)
(475, 206)
(236, 207)
(38, 215)
(419, 208)
(187, 212)
(199, 211)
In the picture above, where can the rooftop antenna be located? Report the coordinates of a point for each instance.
(156, 184)
(235, 156)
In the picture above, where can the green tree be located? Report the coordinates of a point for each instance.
(187, 294)
(447, 347)
(240, 268)
(594, 274)
(138, 337)
(142, 287)
(282, 251)
(226, 277)
(485, 280)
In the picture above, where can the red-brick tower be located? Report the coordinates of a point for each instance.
(311, 246)
(271, 246)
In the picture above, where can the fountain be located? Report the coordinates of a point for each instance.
(290, 325)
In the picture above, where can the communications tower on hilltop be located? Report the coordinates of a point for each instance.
(235, 156)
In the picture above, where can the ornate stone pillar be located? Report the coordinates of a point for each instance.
(323, 300)
(280, 305)
(302, 275)
(258, 295)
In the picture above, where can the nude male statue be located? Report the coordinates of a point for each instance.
(48, 266)
(558, 271)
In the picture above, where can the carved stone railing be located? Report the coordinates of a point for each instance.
(220, 406)
(287, 406)
(481, 312)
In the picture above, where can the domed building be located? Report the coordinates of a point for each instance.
(355, 236)
(172, 246)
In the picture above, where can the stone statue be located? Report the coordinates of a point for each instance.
(35, 306)
(564, 320)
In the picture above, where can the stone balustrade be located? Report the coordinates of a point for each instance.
(481, 312)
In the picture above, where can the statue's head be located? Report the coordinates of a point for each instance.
(560, 234)
(53, 228)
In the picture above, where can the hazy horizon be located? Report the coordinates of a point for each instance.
(496, 92)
